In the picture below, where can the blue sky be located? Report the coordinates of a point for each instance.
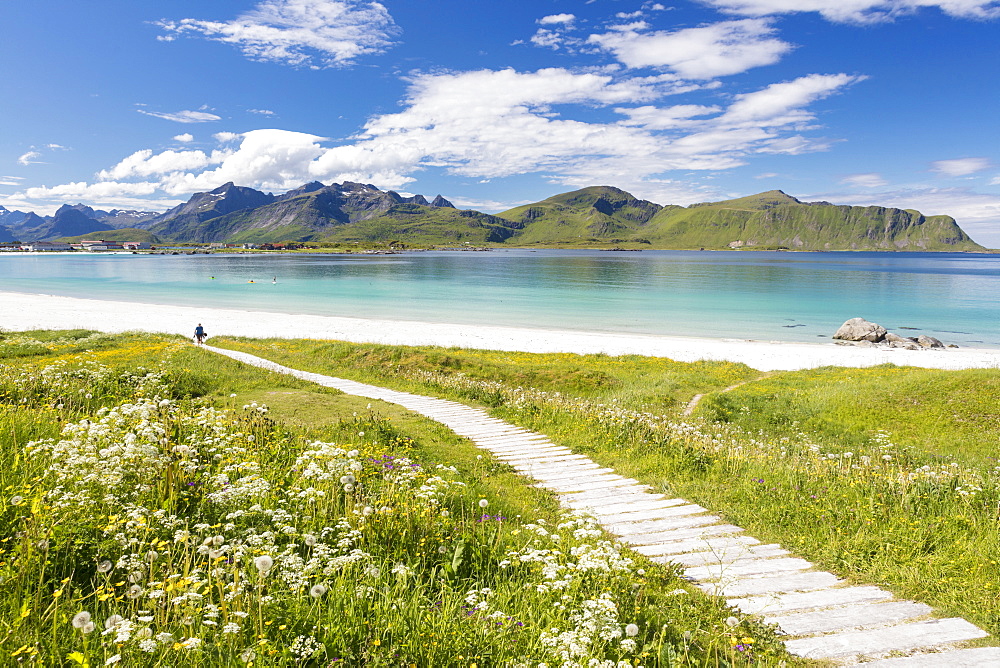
(139, 104)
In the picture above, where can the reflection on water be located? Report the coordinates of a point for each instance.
(783, 296)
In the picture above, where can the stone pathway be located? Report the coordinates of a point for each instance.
(823, 616)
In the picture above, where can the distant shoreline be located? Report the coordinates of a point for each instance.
(22, 312)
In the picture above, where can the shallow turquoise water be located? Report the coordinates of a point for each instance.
(757, 295)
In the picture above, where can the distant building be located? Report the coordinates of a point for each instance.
(136, 245)
(38, 246)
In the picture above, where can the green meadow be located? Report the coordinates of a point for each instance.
(886, 475)
(165, 506)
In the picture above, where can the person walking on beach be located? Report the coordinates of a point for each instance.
(199, 334)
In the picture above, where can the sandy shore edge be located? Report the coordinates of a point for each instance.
(21, 312)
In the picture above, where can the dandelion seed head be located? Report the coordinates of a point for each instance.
(104, 566)
(16, 500)
(80, 619)
(632, 630)
(263, 563)
(483, 503)
(732, 621)
(317, 590)
(113, 621)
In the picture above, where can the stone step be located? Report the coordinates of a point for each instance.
(878, 642)
(540, 451)
(574, 468)
(507, 440)
(593, 485)
(645, 504)
(696, 544)
(862, 616)
(542, 457)
(647, 515)
(510, 439)
(680, 534)
(587, 501)
(736, 572)
(828, 598)
(779, 584)
(976, 657)
(732, 554)
(552, 476)
(660, 526)
(576, 481)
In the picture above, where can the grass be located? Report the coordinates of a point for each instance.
(944, 415)
(885, 476)
(155, 512)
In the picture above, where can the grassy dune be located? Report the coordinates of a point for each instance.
(162, 506)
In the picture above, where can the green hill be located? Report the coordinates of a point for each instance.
(124, 234)
(776, 220)
(598, 212)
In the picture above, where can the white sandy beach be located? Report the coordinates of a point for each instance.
(21, 312)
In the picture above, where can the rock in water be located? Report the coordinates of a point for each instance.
(859, 329)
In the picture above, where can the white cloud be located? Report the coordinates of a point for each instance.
(29, 158)
(783, 103)
(262, 112)
(184, 138)
(315, 33)
(859, 11)
(226, 137)
(90, 191)
(268, 159)
(767, 175)
(629, 15)
(705, 52)
(868, 180)
(960, 166)
(556, 19)
(56, 147)
(549, 39)
(185, 116)
(995, 181)
(665, 118)
(489, 124)
(144, 163)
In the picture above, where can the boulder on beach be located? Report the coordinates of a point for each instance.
(897, 341)
(929, 341)
(859, 329)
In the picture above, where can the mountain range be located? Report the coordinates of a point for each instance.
(599, 215)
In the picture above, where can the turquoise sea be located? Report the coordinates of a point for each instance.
(749, 295)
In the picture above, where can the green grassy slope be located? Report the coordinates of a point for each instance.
(424, 225)
(124, 234)
(774, 219)
(597, 212)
